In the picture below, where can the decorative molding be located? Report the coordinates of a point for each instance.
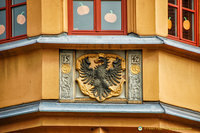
(55, 106)
(130, 39)
(181, 112)
(66, 75)
(109, 39)
(19, 109)
(17, 44)
(134, 76)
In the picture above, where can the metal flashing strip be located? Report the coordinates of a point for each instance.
(55, 106)
(19, 110)
(72, 39)
(180, 45)
(181, 112)
(17, 44)
(78, 39)
(100, 108)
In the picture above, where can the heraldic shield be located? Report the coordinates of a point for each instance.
(101, 75)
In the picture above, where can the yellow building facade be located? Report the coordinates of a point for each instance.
(31, 72)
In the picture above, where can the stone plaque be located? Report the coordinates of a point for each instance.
(66, 75)
(134, 76)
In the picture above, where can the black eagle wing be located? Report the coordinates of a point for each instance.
(114, 74)
(86, 73)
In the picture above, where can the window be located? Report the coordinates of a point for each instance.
(103, 17)
(12, 20)
(183, 20)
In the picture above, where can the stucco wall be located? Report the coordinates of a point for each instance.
(85, 122)
(28, 77)
(20, 78)
(150, 75)
(179, 82)
(50, 74)
(34, 75)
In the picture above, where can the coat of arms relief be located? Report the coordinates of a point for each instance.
(101, 75)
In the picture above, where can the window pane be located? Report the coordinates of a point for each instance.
(188, 4)
(2, 24)
(188, 25)
(83, 15)
(172, 1)
(19, 20)
(111, 14)
(17, 1)
(172, 21)
(2, 3)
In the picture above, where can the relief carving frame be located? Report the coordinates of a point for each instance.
(132, 87)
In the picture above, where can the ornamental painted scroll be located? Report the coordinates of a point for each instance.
(101, 75)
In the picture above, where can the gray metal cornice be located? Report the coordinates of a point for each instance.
(181, 112)
(180, 45)
(77, 39)
(55, 106)
(100, 108)
(83, 39)
(72, 39)
(17, 44)
(19, 110)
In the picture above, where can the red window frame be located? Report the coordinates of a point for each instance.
(97, 21)
(8, 10)
(180, 9)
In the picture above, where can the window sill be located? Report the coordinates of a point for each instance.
(183, 40)
(97, 33)
(114, 42)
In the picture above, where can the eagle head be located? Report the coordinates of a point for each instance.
(100, 58)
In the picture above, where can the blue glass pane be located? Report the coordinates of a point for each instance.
(188, 4)
(17, 1)
(2, 3)
(188, 25)
(2, 24)
(19, 20)
(111, 15)
(172, 20)
(172, 1)
(83, 15)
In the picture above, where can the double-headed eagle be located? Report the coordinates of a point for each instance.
(102, 78)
